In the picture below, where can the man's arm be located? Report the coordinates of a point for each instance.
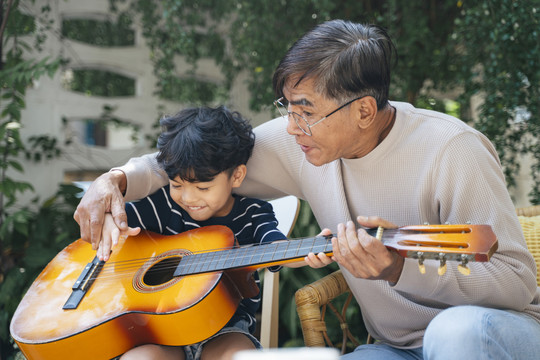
(138, 178)
(105, 195)
(144, 176)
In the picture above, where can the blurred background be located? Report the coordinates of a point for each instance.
(84, 83)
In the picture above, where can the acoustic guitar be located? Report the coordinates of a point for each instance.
(181, 289)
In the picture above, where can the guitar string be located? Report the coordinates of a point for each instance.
(201, 264)
(114, 270)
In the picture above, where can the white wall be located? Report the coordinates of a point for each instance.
(47, 103)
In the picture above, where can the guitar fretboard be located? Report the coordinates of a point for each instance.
(246, 256)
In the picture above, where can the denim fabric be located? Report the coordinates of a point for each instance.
(383, 351)
(467, 332)
(473, 332)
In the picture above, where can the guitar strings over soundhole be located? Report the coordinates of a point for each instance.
(157, 273)
(161, 272)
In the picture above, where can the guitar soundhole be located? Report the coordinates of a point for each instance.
(157, 273)
(161, 272)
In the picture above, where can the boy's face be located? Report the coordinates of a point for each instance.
(205, 200)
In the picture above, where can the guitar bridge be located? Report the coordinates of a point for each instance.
(83, 283)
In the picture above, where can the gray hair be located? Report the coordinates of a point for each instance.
(344, 59)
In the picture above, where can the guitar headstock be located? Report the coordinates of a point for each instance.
(462, 243)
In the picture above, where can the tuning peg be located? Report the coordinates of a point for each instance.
(463, 269)
(421, 266)
(442, 267)
(463, 266)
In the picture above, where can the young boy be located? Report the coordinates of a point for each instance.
(204, 152)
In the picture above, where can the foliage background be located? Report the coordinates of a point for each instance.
(471, 49)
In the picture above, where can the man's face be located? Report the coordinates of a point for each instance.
(336, 137)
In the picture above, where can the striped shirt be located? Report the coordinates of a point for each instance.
(251, 220)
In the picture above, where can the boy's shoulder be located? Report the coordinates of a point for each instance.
(248, 201)
(251, 206)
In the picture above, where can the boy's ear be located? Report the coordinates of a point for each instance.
(239, 175)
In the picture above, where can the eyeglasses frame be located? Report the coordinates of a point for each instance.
(278, 103)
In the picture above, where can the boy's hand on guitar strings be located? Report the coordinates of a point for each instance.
(106, 197)
(110, 236)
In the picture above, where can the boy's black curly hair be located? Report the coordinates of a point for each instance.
(198, 143)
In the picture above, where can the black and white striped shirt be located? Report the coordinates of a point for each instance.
(251, 220)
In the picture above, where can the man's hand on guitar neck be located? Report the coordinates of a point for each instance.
(103, 196)
(364, 256)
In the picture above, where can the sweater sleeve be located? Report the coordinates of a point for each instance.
(144, 176)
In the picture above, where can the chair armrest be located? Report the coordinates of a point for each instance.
(529, 218)
(310, 299)
(528, 211)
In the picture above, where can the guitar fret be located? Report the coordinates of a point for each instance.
(307, 246)
(281, 250)
(292, 249)
(209, 264)
(237, 258)
(257, 255)
(268, 252)
(250, 252)
(241, 256)
(224, 257)
(197, 265)
(203, 260)
(321, 244)
(185, 264)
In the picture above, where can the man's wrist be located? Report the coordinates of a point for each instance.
(118, 177)
(398, 269)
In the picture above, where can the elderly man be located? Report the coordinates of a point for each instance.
(355, 156)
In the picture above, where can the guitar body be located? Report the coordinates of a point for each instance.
(126, 305)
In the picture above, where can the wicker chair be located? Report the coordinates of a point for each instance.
(313, 299)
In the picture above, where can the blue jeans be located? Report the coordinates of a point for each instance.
(468, 332)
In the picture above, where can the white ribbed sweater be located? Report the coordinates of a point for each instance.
(430, 168)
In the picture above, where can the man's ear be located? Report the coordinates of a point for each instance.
(366, 111)
(238, 175)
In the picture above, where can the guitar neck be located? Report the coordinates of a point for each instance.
(463, 243)
(276, 253)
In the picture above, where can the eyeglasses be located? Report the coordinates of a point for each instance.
(301, 121)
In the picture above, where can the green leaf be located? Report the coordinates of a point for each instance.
(16, 165)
